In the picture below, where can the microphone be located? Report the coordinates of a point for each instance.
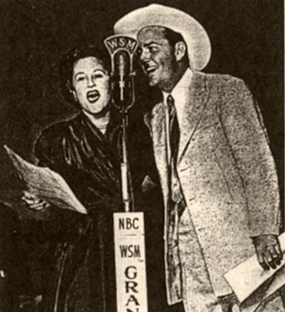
(122, 85)
(122, 50)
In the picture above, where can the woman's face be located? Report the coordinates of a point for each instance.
(91, 83)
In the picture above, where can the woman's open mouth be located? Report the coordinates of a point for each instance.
(93, 96)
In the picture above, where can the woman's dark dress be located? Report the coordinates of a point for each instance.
(82, 277)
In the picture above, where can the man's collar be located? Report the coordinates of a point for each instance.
(181, 87)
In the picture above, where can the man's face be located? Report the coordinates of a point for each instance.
(91, 84)
(156, 57)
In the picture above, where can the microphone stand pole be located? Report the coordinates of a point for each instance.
(125, 174)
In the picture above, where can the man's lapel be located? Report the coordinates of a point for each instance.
(196, 103)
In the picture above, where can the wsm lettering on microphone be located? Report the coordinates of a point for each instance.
(116, 42)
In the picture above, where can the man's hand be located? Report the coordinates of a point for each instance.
(33, 202)
(268, 251)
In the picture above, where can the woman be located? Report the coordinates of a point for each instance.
(85, 151)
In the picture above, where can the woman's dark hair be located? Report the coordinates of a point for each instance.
(72, 56)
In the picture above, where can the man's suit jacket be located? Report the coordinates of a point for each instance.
(227, 175)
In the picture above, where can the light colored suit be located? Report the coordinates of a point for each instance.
(228, 179)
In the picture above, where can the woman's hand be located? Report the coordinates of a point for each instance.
(33, 202)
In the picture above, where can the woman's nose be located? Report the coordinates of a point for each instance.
(91, 82)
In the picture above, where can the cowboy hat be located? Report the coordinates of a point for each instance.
(195, 36)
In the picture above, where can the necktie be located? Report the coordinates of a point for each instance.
(174, 187)
(173, 127)
(176, 201)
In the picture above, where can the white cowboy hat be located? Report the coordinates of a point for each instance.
(195, 36)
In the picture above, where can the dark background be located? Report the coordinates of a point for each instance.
(247, 42)
(246, 37)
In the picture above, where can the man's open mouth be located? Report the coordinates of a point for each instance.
(150, 70)
(93, 96)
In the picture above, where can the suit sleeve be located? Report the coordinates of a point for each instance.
(247, 138)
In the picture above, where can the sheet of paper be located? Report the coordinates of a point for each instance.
(263, 292)
(248, 276)
(46, 184)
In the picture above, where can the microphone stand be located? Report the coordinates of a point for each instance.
(129, 243)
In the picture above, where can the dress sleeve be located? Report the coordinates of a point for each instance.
(44, 151)
(64, 225)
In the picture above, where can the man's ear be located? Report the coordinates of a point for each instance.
(180, 50)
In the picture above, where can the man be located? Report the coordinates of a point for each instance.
(216, 170)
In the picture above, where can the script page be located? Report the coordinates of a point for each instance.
(46, 184)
